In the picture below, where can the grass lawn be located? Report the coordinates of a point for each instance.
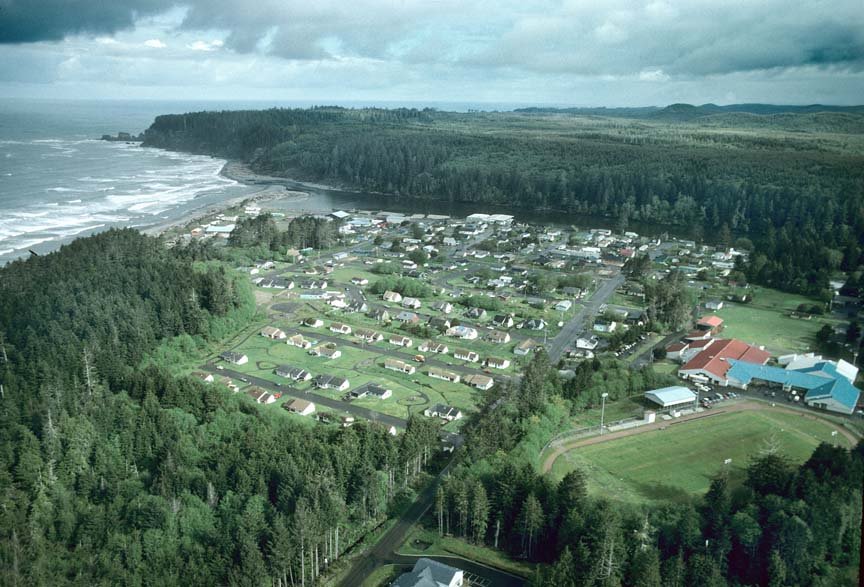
(678, 463)
(421, 541)
(617, 410)
(382, 576)
(771, 327)
(411, 393)
(665, 367)
(766, 321)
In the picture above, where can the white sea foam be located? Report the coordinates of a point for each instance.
(73, 201)
(63, 190)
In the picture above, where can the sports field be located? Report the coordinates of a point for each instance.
(678, 462)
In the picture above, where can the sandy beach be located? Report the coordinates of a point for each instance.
(272, 188)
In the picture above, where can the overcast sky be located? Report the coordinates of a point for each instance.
(574, 52)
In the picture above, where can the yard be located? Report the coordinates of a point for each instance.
(678, 463)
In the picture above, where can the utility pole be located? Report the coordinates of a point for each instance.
(602, 410)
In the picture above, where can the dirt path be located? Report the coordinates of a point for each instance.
(744, 406)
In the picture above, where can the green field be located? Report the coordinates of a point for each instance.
(679, 462)
(411, 393)
(766, 321)
(426, 542)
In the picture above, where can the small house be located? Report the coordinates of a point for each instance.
(400, 366)
(378, 391)
(408, 317)
(443, 307)
(369, 336)
(300, 406)
(400, 340)
(339, 328)
(328, 351)
(431, 346)
(379, 314)
(603, 325)
(293, 373)
(478, 381)
(496, 363)
(498, 337)
(526, 346)
(298, 341)
(440, 324)
(503, 320)
(463, 332)
(563, 306)
(313, 322)
(443, 374)
(476, 313)
(204, 377)
(235, 358)
(466, 355)
(444, 412)
(260, 396)
(412, 303)
(392, 296)
(331, 382)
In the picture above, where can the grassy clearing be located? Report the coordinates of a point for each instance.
(617, 410)
(766, 321)
(678, 463)
(665, 367)
(423, 542)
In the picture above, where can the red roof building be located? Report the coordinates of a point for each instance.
(712, 361)
(712, 323)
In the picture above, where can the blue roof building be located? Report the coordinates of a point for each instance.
(822, 384)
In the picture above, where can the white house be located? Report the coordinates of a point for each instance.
(400, 340)
(429, 573)
(300, 406)
(412, 303)
(463, 332)
(392, 296)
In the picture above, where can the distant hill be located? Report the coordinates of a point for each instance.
(817, 122)
(690, 113)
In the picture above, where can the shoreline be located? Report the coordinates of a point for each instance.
(241, 172)
(233, 170)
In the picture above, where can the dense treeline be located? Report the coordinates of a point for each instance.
(303, 232)
(802, 196)
(113, 474)
(782, 526)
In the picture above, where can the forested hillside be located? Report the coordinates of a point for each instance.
(793, 181)
(112, 474)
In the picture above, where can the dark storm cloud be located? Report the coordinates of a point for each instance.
(28, 21)
(648, 39)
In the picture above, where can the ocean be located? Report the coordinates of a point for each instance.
(58, 181)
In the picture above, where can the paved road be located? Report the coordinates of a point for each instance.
(338, 405)
(408, 356)
(286, 390)
(383, 553)
(573, 328)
